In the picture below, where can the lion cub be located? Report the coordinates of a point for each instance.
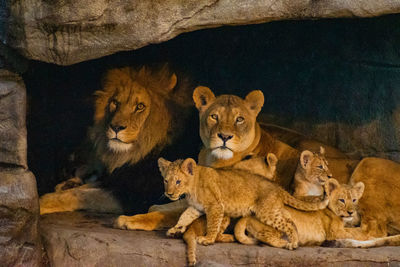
(230, 192)
(264, 166)
(313, 227)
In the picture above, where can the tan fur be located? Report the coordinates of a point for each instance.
(311, 174)
(313, 227)
(230, 192)
(199, 228)
(263, 166)
(379, 206)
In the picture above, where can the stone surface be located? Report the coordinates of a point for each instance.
(12, 120)
(78, 239)
(19, 212)
(67, 32)
(19, 205)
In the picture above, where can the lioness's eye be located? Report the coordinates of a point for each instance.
(239, 119)
(140, 106)
(214, 116)
(341, 200)
(178, 181)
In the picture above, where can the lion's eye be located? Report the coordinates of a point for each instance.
(178, 181)
(239, 119)
(214, 116)
(341, 200)
(140, 107)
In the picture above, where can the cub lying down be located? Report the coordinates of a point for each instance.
(230, 192)
(313, 227)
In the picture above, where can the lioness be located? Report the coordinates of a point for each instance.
(230, 192)
(313, 227)
(139, 113)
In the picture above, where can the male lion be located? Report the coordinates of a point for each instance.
(138, 117)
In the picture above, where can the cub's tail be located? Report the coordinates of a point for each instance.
(240, 232)
(376, 242)
(291, 201)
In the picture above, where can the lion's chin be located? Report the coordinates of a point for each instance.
(222, 153)
(118, 146)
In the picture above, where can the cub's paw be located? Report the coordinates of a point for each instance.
(225, 238)
(204, 240)
(292, 245)
(175, 231)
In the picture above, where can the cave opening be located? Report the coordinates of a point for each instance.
(333, 80)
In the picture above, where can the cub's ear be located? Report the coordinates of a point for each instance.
(203, 97)
(272, 160)
(331, 185)
(188, 166)
(358, 188)
(255, 101)
(322, 151)
(305, 158)
(163, 165)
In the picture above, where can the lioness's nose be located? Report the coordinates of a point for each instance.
(350, 212)
(224, 137)
(117, 128)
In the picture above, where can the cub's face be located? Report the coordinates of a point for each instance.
(343, 199)
(177, 176)
(227, 123)
(315, 166)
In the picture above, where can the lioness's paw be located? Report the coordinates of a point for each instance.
(174, 231)
(204, 240)
(121, 222)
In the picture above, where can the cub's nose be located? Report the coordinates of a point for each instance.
(117, 128)
(224, 137)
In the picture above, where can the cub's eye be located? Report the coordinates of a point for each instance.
(214, 116)
(320, 166)
(178, 181)
(354, 200)
(239, 119)
(341, 200)
(140, 107)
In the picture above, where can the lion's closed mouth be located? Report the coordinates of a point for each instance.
(117, 140)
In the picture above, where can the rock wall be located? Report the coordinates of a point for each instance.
(19, 207)
(67, 32)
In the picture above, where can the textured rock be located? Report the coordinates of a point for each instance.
(19, 205)
(76, 239)
(12, 120)
(67, 32)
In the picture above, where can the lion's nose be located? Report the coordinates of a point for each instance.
(117, 128)
(224, 137)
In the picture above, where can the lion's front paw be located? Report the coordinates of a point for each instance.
(204, 240)
(175, 231)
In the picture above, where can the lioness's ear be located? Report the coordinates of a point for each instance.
(305, 158)
(322, 151)
(255, 100)
(272, 159)
(203, 97)
(163, 165)
(331, 185)
(188, 166)
(359, 189)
